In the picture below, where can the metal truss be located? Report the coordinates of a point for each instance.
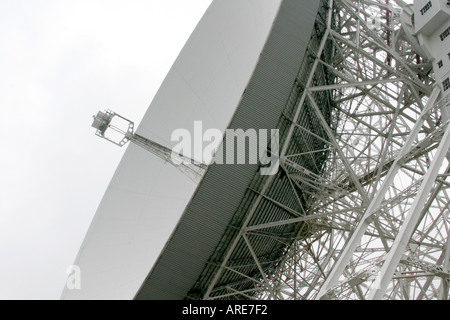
(124, 133)
(375, 221)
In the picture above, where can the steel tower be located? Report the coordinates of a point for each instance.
(375, 212)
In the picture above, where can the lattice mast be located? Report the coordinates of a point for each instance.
(387, 236)
(121, 135)
(374, 224)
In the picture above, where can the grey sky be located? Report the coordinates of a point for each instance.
(60, 62)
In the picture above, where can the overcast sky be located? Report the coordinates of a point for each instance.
(60, 62)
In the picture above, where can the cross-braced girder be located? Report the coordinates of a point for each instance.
(360, 207)
(380, 102)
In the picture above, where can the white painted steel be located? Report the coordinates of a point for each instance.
(146, 196)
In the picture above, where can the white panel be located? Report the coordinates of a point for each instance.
(430, 14)
(441, 65)
(146, 196)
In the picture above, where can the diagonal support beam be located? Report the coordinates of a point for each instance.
(255, 258)
(408, 227)
(333, 141)
(366, 220)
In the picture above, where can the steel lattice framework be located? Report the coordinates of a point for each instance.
(369, 218)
